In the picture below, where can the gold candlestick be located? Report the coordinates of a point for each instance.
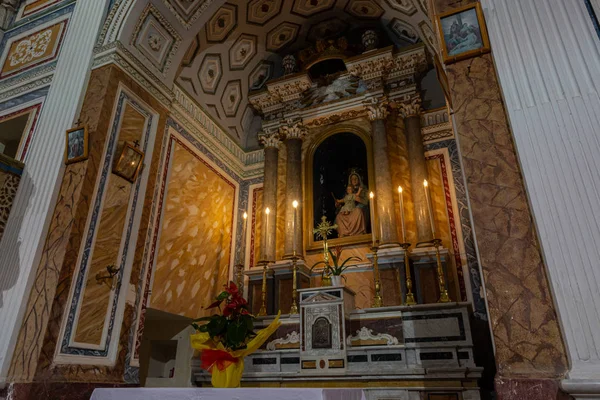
(444, 298)
(410, 298)
(263, 307)
(378, 300)
(294, 307)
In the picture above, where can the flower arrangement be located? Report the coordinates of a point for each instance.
(227, 337)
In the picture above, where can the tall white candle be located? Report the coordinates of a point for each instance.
(401, 196)
(243, 244)
(295, 205)
(372, 207)
(429, 207)
(267, 212)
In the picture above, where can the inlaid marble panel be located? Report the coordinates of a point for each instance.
(32, 7)
(281, 201)
(256, 225)
(107, 247)
(195, 238)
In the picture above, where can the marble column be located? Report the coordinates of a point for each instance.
(271, 143)
(293, 133)
(411, 113)
(385, 226)
(23, 239)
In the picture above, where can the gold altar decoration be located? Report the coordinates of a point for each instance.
(444, 298)
(322, 231)
(228, 365)
(263, 307)
(410, 298)
(294, 307)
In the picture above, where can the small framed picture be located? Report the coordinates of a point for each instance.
(463, 32)
(77, 145)
(129, 163)
(443, 79)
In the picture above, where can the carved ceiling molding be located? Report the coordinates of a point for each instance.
(337, 117)
(187, 11)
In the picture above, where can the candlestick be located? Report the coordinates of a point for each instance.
(401, 196)
(429, 207)
(263, 308)
(410, 297)
(444, 297)
(378, 300)
(372, 207)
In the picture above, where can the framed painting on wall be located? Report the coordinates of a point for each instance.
(77, 145)
(463, 33)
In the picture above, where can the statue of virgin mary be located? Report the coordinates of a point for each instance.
(353, 208)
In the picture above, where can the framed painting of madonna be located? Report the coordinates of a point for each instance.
(338, 176)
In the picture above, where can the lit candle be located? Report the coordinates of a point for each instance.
(295, 205)
(400, 195)
(429, 207)
(267, 212)
(243, 244)
(372, 206)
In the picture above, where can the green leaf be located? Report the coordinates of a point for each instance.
(222, 296)
(203, 328)
(217, 325)
(249, 322)
(236, 333)
(353, 258)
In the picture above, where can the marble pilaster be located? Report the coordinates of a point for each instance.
(22, 243)
(386, 229)
(411, 113)
(271, 143)
(293, 133)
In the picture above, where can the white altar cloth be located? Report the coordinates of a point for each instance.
(227, 394)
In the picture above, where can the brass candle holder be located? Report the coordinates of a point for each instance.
(263, 308)
(294, 307)
(378, 300)
(444, 298)
(410, 298)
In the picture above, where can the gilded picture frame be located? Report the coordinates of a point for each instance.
(463, 33)
(76, 144)
(311, 243)
(129, 163)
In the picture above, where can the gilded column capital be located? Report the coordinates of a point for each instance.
(377, 108)
(269, 139)
(410, 108)
(293, 130)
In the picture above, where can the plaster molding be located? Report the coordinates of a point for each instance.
(377, 108)
(291, 340)
(365, 334)
(411, 107)
(270, 140)
(293, 130)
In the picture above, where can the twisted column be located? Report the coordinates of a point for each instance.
(377, 112)
(410, 111)
(268, 232)
(293, 133)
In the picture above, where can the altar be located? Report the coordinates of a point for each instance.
(227, 394)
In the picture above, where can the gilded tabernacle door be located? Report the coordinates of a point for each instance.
(338, 186)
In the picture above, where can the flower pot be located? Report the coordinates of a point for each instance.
(336, 280)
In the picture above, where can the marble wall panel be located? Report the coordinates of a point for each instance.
(37, 341)
(523, 317)
(107, 247)
(195, 239)
(281, 201)
(33, 7)
(256, 225)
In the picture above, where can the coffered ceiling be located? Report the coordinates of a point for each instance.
(243, 42)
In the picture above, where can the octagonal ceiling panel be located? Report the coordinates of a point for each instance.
(282, 35)
(262, 11)
(242, 51)
(260, 75)
(232, 97)
(210, 73)
(406, 7)
(364, 9)
(220, 26)
(326, 29)
(403, 30)
(306, 8)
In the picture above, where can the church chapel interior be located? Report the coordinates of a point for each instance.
(300, 199)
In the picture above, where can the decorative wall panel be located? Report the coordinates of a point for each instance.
(31, 7)
(10, 176)
(26, 51)
(195, 240)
